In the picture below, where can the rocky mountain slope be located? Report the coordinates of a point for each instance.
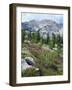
(44, 26)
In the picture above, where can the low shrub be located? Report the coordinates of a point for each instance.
(29, 72)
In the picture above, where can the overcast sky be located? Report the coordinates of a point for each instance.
(34, 16)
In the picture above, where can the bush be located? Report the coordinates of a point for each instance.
(29, 72)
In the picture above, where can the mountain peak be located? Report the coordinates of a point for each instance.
(45, 25)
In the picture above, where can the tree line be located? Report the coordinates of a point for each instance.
(53, 41)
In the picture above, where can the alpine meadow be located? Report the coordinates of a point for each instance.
(41, 44)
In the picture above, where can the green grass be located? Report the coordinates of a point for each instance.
(47, 61)
(29, 72)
